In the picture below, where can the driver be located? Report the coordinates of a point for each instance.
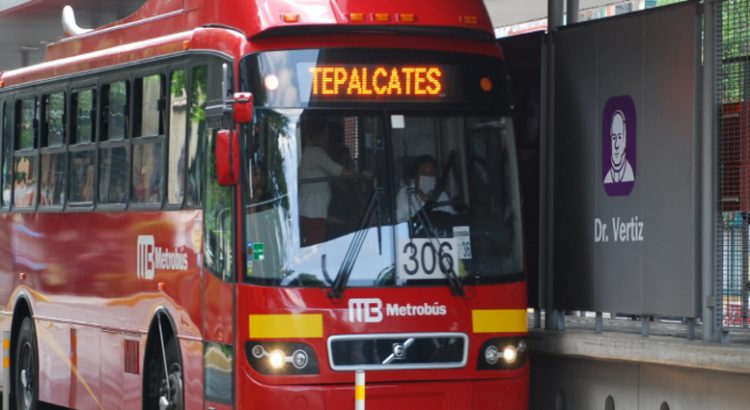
(412, 197)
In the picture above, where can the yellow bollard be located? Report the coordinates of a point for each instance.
(6, 369)
(359, 390)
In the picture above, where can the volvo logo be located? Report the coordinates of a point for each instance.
(399, 351)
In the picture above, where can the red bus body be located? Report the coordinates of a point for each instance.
(77, 272)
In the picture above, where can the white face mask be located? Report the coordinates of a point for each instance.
(426, 183)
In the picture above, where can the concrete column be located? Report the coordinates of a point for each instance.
(708, 176)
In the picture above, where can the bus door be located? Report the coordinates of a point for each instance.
(219, 257)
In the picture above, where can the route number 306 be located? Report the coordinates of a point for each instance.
(427, 258)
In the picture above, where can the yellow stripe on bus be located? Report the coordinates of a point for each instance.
(6, 344)
(6, 363)
(291, 326)
(359, 392)
(499, 321)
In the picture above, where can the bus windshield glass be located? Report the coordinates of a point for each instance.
(386, 196)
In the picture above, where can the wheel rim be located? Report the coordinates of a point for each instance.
(26, 374)
(170, 395)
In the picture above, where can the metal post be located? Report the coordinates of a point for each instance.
(546, 185)
(359, 390)
(599, 326)
(6, 369)
(645, 329)
(572, 12)
(708, 176)
(691, 328)
(554, 14)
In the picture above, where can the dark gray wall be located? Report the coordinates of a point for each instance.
(653, 58)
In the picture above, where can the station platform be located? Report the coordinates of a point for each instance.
(622, 340)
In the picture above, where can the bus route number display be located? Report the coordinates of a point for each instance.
(427, 258)
(343, 82)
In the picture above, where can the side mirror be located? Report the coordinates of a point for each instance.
(242, 107)
(227, 157)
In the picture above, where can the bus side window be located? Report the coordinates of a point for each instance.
(114, 112)
(147, 180)
(178, 117)
(218, 242)
(7, 150)
(82, 155)
(52, 188)
(197, 134)
(113, 149)
(25, 161)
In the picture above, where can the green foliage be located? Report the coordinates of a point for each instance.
(735, 56)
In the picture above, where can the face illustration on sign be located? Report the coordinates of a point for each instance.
(618, 146)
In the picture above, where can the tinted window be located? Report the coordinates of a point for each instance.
(84, 105)
(178, 111)
(115, 111)
(198, 97)
(27, 124)
(54, 107)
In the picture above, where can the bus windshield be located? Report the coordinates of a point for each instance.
(389, 198)
(381, 168)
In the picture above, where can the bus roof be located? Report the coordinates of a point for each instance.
(257, 18)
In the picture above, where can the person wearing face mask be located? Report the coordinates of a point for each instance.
(412, 197)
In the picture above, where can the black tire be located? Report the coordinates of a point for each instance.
(155, 382)
(26, 368)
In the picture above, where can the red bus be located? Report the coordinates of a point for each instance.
(240, 204)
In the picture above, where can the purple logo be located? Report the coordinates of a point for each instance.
(618, 146)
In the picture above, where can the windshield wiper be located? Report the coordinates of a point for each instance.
(457, 287)
(352, 252)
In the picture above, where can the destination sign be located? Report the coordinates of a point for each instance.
(377, 81)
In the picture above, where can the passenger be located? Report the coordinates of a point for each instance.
(348, 196)
(315, 196)
(413, 197)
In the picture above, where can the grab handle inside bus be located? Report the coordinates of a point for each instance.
(227, 157)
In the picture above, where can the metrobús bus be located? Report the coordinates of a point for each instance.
(239, 204)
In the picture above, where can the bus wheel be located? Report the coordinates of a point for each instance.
(164, 389)
(26, 376)
(170, 389)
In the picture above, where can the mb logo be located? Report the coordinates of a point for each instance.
(365, 310)
(146, 250)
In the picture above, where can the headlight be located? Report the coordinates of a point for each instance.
(502, 353)
(281, 358)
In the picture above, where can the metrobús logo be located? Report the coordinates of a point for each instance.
(151, 258)
(371, 310)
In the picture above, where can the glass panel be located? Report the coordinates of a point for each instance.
(458, 192)
(55, 115)
(198, 97)
(150, 110)
(147, 173)
(85, 105)
(117, 111)
(325, 197)
(82, 177)
(24, 190)
(52, 190)
(178, 111)
(27, 127)
(7, 147)
(113, 175)
(301, 164)
(219, 241)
